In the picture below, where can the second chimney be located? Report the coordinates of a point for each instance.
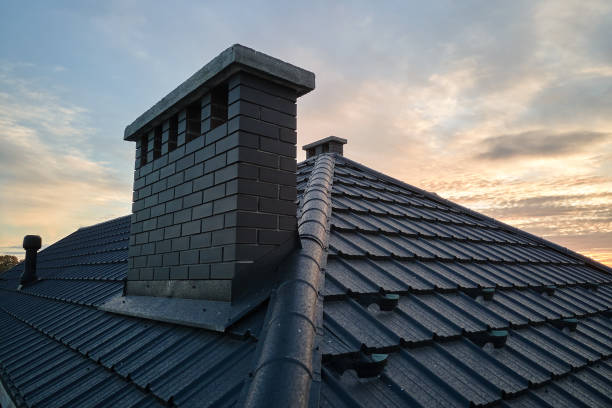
(214, 206)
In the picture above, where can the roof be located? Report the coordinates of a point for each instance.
(406, 274)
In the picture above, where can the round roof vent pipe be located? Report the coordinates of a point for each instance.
(31, 243)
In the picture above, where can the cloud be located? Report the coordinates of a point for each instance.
(539, 143)
(50, 184)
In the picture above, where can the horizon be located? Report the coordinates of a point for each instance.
(503, 109)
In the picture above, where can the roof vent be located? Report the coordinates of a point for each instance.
(31, 243)
(561, 324)
(331, 144)
(366, 365)
(496, 337)
(386, 302)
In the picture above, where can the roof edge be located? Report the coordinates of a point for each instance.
(285, 366)
(435, 197)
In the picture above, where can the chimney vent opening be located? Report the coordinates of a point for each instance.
(218, 105)
(157, 142)
(194, 121)
(172, 133)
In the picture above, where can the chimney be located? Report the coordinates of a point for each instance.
(330, 144)
(31, 243)
(214, 204)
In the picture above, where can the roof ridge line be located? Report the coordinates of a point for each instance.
(435, 197)
(295, 307)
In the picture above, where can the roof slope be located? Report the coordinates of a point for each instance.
(438, 256)
(441, 259)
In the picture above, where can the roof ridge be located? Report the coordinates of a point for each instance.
(286, 354)
(507, 227)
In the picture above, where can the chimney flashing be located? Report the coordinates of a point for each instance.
(234, 59)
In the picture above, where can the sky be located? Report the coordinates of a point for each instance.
(504, 107)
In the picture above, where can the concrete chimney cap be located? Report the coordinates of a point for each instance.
(328, 139)
(235, 58)
(32, 242)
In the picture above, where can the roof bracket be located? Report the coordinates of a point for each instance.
(486, 293)
(366, 365)
(496, 337)
(385, 301)
(571, 323)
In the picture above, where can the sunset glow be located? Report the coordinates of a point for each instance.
(502, 107)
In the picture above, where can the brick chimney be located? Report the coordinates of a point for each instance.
(214, 204)
(330, 144)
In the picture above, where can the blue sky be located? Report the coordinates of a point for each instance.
(502, 106)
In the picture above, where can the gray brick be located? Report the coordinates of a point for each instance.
(163, 246)
(245, 252)
(192, 199)
(199, 272)
(287, 222)
(211, 255)
(146, 274)
(183, 189)
(248, 155)
(269, 190)
(159, 186)
(190, 228)
(214, 193)
(278, 118)
(180, 244)
(261, 98)
(277, 176)
(139, 183)
(204, 154)
(167, 170)
(175, 179)
(142, 238)
(173, 231)
(287, 193)
(149, 225)
(185, 162)
(263, 85)
(225, 204)
(189, 257)
(171, 259)
(178, 152)
(217, 133)
(244, 123)
(234, 236)
(274, 237)
(144, 192)
(158, 210)
(256, 220)
(243, 108)
(200, 240)
(166, 195)
(165, 220)
(278, 147)
(182, 216)
(160, 162)
(151, 200)
(194, 145)
(227, 173)
(135, 250)
(156, 235)
(179, 272)
(288, 135)
(270, 205)
(154, 260)
(202, 211)
(174, 205)
(133, 274)
(203, 182)
(138, 205)
(212, 223)
(215, 163)
(153, 177)
(148, 249)
(140, 261)
(143, 214)
(162, 273)
(237, 139)
(194, 171)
